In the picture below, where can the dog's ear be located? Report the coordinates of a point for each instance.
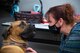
(5, 34)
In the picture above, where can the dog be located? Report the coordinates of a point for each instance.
(18, 34)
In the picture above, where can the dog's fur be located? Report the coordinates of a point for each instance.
(13, 35)
(11, 49)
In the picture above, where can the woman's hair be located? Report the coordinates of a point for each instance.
(64, 11)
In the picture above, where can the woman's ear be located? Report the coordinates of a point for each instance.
(60, 22)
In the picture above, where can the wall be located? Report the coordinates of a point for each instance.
(27, 5)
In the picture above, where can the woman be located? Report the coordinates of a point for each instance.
(61, 18)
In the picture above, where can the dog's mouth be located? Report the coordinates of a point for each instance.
(28, 33)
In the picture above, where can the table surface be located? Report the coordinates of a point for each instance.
(39, 26)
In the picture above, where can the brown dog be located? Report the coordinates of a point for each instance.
(17, 34)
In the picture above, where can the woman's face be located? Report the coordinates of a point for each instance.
(58, 24)
(52, 21)
(53, 26)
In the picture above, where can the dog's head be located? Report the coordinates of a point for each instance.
(20, 28)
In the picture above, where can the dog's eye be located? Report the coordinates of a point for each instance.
(22, 25)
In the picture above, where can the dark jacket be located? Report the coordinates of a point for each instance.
(71, 44)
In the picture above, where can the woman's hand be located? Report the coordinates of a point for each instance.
(30, 50)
